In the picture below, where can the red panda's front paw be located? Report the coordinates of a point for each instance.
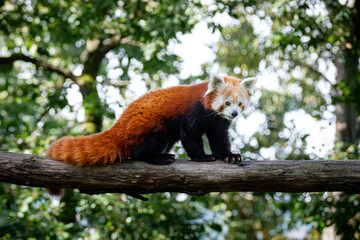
(232, 158)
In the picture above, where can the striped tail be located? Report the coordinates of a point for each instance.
(96, 149)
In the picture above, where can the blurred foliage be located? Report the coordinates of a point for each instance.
(69, 34)
(35, 110)
(106, 216)
(307, 39)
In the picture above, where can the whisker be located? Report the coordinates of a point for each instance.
(213, 113)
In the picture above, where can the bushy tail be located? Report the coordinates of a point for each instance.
(97, 149)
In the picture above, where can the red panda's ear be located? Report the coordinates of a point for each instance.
(248, 83)
(215, 83)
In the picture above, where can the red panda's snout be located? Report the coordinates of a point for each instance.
(230, 96)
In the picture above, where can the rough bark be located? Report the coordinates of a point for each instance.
(135, 177)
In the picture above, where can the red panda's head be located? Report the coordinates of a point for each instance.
(228, 96)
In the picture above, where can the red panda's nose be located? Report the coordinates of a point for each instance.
(234, 114)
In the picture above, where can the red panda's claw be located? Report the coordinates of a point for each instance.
(238, 158)
(234, 158)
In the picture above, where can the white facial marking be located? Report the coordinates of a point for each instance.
(217, 103)
(232, 111)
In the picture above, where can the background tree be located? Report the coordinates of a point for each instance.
(60, 37)
(306, 40)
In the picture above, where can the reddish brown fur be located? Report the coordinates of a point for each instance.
(235, 84)
(149, 113)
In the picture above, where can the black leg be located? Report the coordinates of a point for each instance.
(220, 144)
(154, 150)
(193, 144)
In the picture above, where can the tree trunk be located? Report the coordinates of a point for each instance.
(347, 61)
(92, 104)
(347, 124)
(94, 54)
(136, 177)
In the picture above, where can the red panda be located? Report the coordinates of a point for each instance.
(152, 124)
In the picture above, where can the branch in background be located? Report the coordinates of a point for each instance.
(39, 63)
(119, 83)
(109, 44)
(95, 51)
(132, 42)
(136, 177)
(311, 68)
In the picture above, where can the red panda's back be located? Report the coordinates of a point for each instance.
(155, 109)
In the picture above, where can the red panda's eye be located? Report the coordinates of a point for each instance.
(240, 104)
(227, 103)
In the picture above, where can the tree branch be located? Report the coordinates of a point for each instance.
(135, 177)
(39, 63)
(109, 44)
(95, 51)
(310, 68)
